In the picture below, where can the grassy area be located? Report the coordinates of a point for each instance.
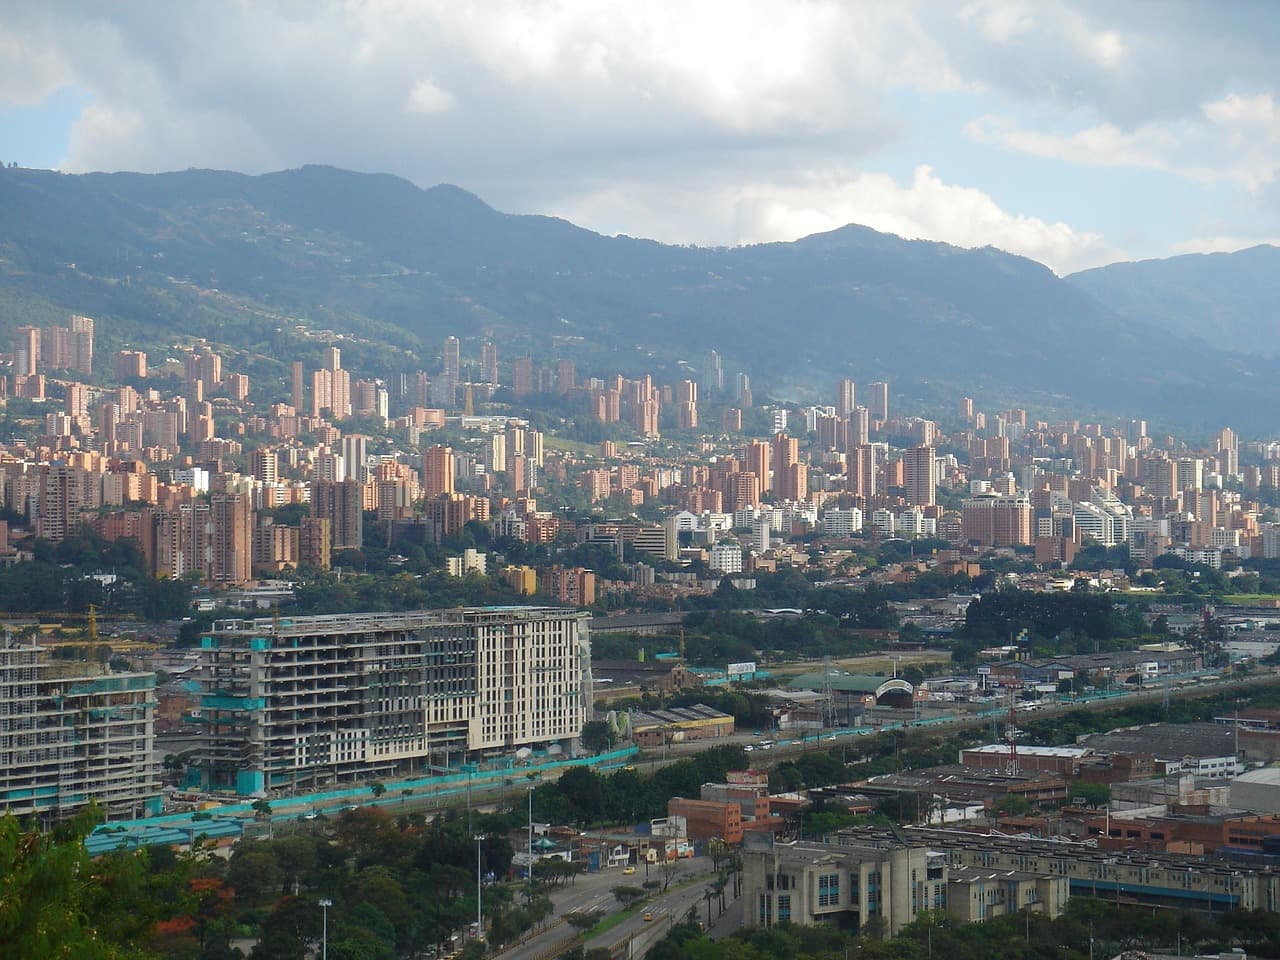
(570, 446)
(1250, 599)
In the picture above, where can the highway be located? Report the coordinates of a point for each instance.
(594, 892)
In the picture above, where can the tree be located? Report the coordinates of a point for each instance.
(719, 852)
(254, 873)
(596, 736)
(582, 789)
(1093, 794)
(584, 921)
(1013, 805)
(377, 788)
(627, 895)
(45, 882)
(667, 870)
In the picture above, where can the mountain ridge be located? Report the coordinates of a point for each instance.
(1222, 298)
(382, 257)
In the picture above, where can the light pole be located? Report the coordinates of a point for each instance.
(479, 897)
(325, 904)
(531, 845)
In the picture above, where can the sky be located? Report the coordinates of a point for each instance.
(1077, 134)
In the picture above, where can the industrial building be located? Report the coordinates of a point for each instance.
(850, 886)
(68, 739)
(1205, 749)
(655, 728)
(1167, 879)
(298, 703)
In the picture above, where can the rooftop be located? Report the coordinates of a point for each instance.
(1168, 741)
(409, 620)
(845, 682)
(1027, 750)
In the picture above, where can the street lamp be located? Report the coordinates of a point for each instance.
(531, 845)
(325, 904)
(479, 897)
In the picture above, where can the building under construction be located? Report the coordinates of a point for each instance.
(299, 703)
(68, 739)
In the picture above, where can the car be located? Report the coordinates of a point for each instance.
(628, 871)
(748, 748)
(647, 917)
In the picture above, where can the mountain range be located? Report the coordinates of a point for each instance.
(248, 261)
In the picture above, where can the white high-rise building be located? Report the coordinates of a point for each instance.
(760, 535)
(305, 701)
(726, 557)
(842, 523)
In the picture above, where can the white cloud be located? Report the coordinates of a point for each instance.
(29, 72)
(534, 102)
(1232, 139)
(757, 212)
(1221, 244)
(426, 97)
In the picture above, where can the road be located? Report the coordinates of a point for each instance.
(594, 891)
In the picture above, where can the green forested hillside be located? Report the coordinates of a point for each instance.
(377, 258)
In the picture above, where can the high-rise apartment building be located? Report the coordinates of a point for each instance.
(341, 699)
(26, 351)
(265, 463)
(758, 457)
(522, 376)
(786, 453)
(342, 504)
(68, 739)
(566, 376)
(231, 538)
(315, 539)
(437, 471)
(846, 398)
(62, 493)
(919, 474)
(451, 358)
(203, 365)
(81, 344)
(860, 471)
(997, 521)
(712, 375)
(879, 405)
(687, 405)
(489, 362)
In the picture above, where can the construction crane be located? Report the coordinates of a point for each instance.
(46, 621)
